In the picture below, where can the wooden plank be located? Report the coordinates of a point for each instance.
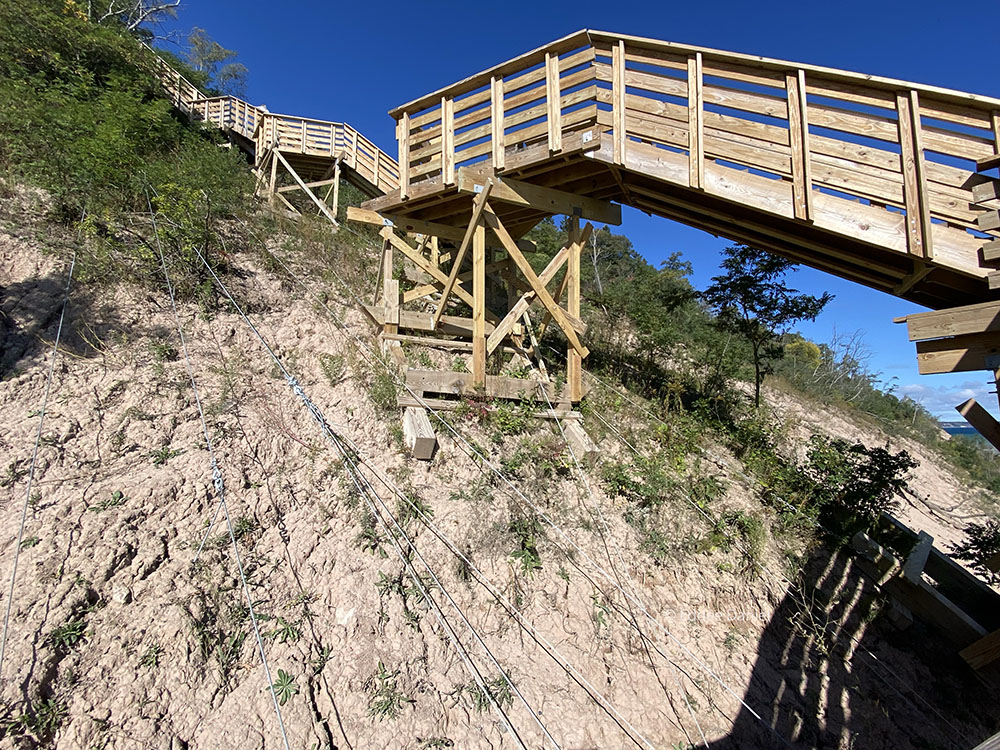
(545, 199)
(913, 568)
(418, 433)
(965, 353)
(451, 325)
(533, 281)
(988, 162)
(618, 100)
(448, 140)
(986, 191)
(988, 221)
(424, 265)
(441, 404)
(496, 122)
(478, 204)
(983, 652)
(918, 229)
(930, 605)
(696, 124)
(574, 363)
(798, 125)
(463, 383)
(954, 321)
(405, 223)
(580, 444)
(479, 308)
(553, 102)
(426, 289)
(982, 420)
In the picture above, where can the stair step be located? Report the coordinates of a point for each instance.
(986, 191)
(989, 220)
(991, 252)
(988, 163)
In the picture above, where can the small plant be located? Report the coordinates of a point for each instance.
(499, 689)
(382, 391)
(285, 687)
(161, 455)
(151, 656)
(526, 529)
(433, 743)
(30, 542)
(68, 635)
(285, 631)
(40, 721)
(162, 351)
(332, 366)
(982, 542)
(385, 699)
(117, 498)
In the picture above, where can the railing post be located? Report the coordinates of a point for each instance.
(798, 133)
(403, 138)
(918, 219)
(302, 143)
(552, 100)
(497, 118)
(618, 101)
(354, 149)
(696, 127)
(447, 140)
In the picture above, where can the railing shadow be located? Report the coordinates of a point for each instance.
(833, 671)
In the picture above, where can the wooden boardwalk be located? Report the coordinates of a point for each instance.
(867, 178)
(310, 147)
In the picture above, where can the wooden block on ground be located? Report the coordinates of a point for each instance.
(913, 568)
(578, 439)
(983, 652)
(418, 433)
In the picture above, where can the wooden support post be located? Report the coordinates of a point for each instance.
(918, 219)
(982, 420)
(390, 296)
(496, 121)
(618, 101)
(273, 189)
(447, 140)
(479, 306)
(696, 124)
(323, 209)
(336, 186)
(913, 568)
(403, 138)
(574, 362)
(380, 274)
(553, 100)
(418, 433)
(798, 127)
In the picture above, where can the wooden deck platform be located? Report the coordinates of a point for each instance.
(867, 178)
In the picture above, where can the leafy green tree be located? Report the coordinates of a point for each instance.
(752, 300)
(218, 63)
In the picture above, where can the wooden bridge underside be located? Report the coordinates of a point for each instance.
(865, 178)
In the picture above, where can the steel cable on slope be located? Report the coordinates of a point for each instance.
(219, 483)
(470, 450)
(792, 586)
(404, 497)
(34, 461)
(324, 425)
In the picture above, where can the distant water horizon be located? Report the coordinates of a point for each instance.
(958, 428)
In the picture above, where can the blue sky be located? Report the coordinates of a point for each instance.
(355, 61)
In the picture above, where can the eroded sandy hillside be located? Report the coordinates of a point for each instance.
(117, 631)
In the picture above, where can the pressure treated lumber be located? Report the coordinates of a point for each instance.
(418, 434)
(982, 420)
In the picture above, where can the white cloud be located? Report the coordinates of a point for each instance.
(942, 400)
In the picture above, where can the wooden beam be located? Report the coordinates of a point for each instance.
(448, 140)
(463, 383)
(919, 241)
(403, 137)
(478, 204)
(988, 221)
(418, 433)
(618, 101)
(954, 321)
(451, 325)
(479, 306)
(986, 191)
(990, 252)
(983, 652)
(696, 123)
(405, 224)
(920, 272)
(553, 101)
(290, 188)
(982, 420)
(533, 281)
(574, 363)
(965, 353)
(988, 162)
(496, 122)
(441, 404)
(545, 199)
(798, 127)
(424, 265)
(913, 568)
(427, 289)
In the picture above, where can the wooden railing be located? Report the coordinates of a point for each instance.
(800, 141)
(322, 138)
(228, 112)
(289, 133)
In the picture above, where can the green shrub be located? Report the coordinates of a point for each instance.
(981, 543)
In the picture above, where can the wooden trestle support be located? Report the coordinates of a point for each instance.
(482, 266)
